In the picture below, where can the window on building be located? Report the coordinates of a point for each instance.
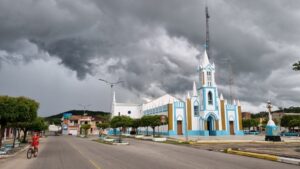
(210, 98)
(196, 108)
(209, 76)
(129, 112)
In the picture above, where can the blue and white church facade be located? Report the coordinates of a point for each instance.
(204, 113)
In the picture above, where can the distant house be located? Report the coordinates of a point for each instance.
(246, 115)
(72, 124)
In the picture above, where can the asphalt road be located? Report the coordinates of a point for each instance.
(67, 152)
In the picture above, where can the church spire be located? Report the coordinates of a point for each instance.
(205, 61)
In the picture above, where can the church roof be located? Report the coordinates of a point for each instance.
(204, 62)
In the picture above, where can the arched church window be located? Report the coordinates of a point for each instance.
(196, 108)
(209, 76)
(210, 98)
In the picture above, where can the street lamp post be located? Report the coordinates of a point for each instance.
(111, 84)
(84, 107)
(272, 133)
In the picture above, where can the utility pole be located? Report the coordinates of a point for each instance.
(84, 107)
(231, 81)
(230, 78)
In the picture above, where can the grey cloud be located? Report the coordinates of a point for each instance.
(142, 37)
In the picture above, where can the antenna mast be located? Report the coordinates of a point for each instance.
(207, 32)
(231, 81)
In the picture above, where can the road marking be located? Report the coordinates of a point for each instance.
(91, 161)
(95, 165)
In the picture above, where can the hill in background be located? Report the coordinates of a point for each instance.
(56, 119)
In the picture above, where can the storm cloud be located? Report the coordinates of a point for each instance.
(155, 46)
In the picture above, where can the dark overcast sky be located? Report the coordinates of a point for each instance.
(55, 50)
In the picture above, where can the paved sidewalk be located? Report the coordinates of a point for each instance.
(245, 138)
(20, 161)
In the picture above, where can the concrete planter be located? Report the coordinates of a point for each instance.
(139, 136)
(127, 135)
(109, 139)
(147, 138)
(159, 139)
(121, 144)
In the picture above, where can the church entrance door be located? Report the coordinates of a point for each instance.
(210, 127)
(231, 127)
(179, 127)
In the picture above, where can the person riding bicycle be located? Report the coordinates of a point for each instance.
(35, 141)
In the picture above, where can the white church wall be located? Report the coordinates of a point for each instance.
(231, 115)
(133, 111)
(195, 123)
(179, 114)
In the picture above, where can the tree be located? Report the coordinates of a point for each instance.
(14, 110)
(103, 126)
(55, 121)
(254, 123)
(294, 123)
(38, 124)
(154, 122)
(296, 66)
(103, 117)
(246, 123)
(6, 113)
(136, 123)
(285, 120)
(85, 127)
(146, 122)
(120, 122)
(26, 110)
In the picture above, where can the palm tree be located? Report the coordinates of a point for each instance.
(296, 66)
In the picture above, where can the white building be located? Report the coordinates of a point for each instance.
(204, 113)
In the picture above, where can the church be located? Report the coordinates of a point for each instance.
(204, 113)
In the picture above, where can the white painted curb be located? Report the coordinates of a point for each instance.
(159, 139)
(265, 156)
(289, 160)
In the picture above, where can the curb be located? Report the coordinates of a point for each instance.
(12, 155)
(265, 156)
(244, 141)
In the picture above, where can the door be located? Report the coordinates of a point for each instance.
(73, 132)
(231, 128)
(179, 128)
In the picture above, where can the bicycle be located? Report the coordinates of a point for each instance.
(32, 151)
